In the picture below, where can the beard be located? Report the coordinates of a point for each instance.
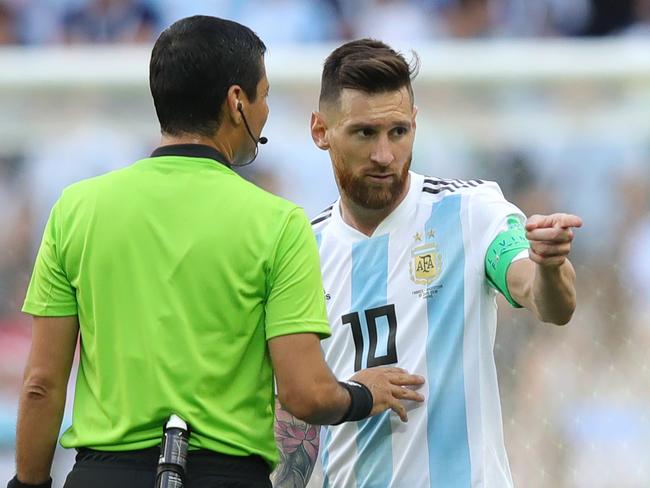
(370, 195)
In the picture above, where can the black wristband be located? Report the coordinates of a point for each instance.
(15, 483)
(361, 401)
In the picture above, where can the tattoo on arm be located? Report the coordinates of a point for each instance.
(298, 443)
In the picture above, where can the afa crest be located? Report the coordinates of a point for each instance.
(425, 265)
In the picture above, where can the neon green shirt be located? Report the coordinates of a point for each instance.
(179, 271)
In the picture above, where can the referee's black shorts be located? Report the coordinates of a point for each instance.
(137, 469)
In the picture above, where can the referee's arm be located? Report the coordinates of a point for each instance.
(308, 390)
(42, 398)
(306, 386)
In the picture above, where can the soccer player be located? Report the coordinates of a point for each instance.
(189, 287)
(412, 265)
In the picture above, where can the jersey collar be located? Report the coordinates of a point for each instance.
(191, 151)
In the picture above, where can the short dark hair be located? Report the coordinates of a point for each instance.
(367, 65)
(193, 64)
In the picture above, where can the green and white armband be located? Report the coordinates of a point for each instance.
(502, 251)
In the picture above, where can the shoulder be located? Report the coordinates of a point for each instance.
(88, 187)
(276, 217)
(434, 185)
(322, 220)
(265, 201)
(435, 189)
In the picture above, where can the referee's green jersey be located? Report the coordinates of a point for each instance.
(179, 271)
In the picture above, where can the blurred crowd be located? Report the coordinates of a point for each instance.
(46, 22)
(575, 398)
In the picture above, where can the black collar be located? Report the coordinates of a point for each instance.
(191, 151)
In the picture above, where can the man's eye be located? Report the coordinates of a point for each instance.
(365, 132)
(400, 131)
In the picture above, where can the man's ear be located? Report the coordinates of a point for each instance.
(319, 131)
(235, 97)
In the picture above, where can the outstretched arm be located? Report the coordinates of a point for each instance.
(545, 283)
(298, 444)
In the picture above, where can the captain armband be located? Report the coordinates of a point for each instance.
(502, 251)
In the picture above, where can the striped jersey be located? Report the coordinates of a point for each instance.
(415, 295)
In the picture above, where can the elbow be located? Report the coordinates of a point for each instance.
(38, 386)
(563, 320)
(300, 406)
(560, 321)
(567, 312)
(561, 317)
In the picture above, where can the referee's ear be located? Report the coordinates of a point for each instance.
(233, 97)
(319, 131)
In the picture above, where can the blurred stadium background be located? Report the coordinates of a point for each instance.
(548, 97)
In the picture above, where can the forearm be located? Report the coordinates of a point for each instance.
(326, 403)
(39, 422)
(554, 294)
(298, 444)
(309, 391)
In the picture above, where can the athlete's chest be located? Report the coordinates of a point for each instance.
(384, 293)
(411, 261)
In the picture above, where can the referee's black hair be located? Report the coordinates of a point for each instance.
(366, 65)
(193, 64)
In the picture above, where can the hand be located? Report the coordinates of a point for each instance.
(550, 237)
(388, 388)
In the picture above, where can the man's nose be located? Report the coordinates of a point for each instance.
(382, 151)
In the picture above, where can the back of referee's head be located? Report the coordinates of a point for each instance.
(193, 64)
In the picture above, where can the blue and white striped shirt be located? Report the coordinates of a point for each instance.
(415, 295)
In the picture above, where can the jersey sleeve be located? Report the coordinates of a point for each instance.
(296, 302)
(50, 293)
(502, 237)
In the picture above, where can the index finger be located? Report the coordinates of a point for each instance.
(535, 221)
(569, 220)
(392, 369)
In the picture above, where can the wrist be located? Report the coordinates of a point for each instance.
(16, 483)
(548, 272)
(361, 401)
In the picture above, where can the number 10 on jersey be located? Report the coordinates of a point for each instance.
(371, 316)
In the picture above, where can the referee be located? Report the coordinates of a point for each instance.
(189, 288)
